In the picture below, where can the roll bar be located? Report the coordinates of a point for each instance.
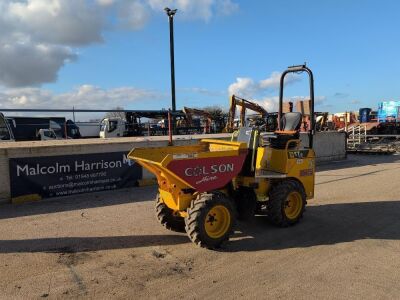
(297, 69)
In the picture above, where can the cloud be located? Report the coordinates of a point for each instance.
(273, 81)
(271, 104)
(65, 22)
(132, 15)
(23, 64)
(355, 101)
(105, 2)
(227, 7)
(243, 86)
(83, 97)
(247, 87)
(38, 37)
(255, 90)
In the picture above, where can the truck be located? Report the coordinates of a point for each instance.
(89, 129)
(131, 124)
(33, 128)
(117, 127)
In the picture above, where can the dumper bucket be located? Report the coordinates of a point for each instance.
(207, 166)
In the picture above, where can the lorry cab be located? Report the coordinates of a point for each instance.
(112, 127)
(47, 134)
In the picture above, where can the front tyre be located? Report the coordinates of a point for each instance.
(210, 220)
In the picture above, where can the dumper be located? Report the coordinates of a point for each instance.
(204, 188)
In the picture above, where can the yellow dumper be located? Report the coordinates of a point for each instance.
(203, 188)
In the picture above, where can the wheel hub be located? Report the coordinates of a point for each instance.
(217, 221)
(293, 205)
(211, 219)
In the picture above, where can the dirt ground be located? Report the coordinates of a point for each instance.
(109, 245)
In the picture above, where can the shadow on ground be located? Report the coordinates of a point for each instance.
(351, 176)
(358, 160)
(86, 244)
(322, 225)
(77, 202)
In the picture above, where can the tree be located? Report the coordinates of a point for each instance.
(218, 115)
(116, 114)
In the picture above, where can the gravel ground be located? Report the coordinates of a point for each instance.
(109, 245)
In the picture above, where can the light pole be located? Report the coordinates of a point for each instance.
(170, 14)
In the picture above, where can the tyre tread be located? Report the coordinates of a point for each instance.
(277, 196)
(202, 204)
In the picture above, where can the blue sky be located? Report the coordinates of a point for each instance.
(351, 46)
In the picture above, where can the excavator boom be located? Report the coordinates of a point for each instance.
(244, 104)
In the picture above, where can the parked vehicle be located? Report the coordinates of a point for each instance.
(27, 128)
(47, 134)
(89, 129)
(5, 131)
(113, 127)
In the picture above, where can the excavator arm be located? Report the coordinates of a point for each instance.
(244, 105)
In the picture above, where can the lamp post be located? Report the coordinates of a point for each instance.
(170, 14)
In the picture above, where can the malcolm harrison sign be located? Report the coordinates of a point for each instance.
(54, 176)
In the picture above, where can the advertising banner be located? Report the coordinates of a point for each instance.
(33, 178)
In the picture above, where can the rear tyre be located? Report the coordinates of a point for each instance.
(287, 201)
(210, 220)
(168, 218)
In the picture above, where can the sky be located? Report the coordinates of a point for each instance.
(99, 54)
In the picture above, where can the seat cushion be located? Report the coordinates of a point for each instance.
(291, 121)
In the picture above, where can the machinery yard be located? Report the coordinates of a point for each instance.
(109, 244)
(126, 174)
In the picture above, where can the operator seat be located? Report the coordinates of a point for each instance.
(245, 134)
(290, 122)
(250, 137)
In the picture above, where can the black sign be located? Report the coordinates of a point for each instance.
(53, 176)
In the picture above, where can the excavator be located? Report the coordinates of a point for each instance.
(190, 112)
(244, 104)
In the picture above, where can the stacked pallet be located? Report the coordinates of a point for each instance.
(304, 106)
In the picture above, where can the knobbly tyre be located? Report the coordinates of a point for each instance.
(203, 188)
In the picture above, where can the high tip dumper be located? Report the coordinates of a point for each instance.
(203, 188)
